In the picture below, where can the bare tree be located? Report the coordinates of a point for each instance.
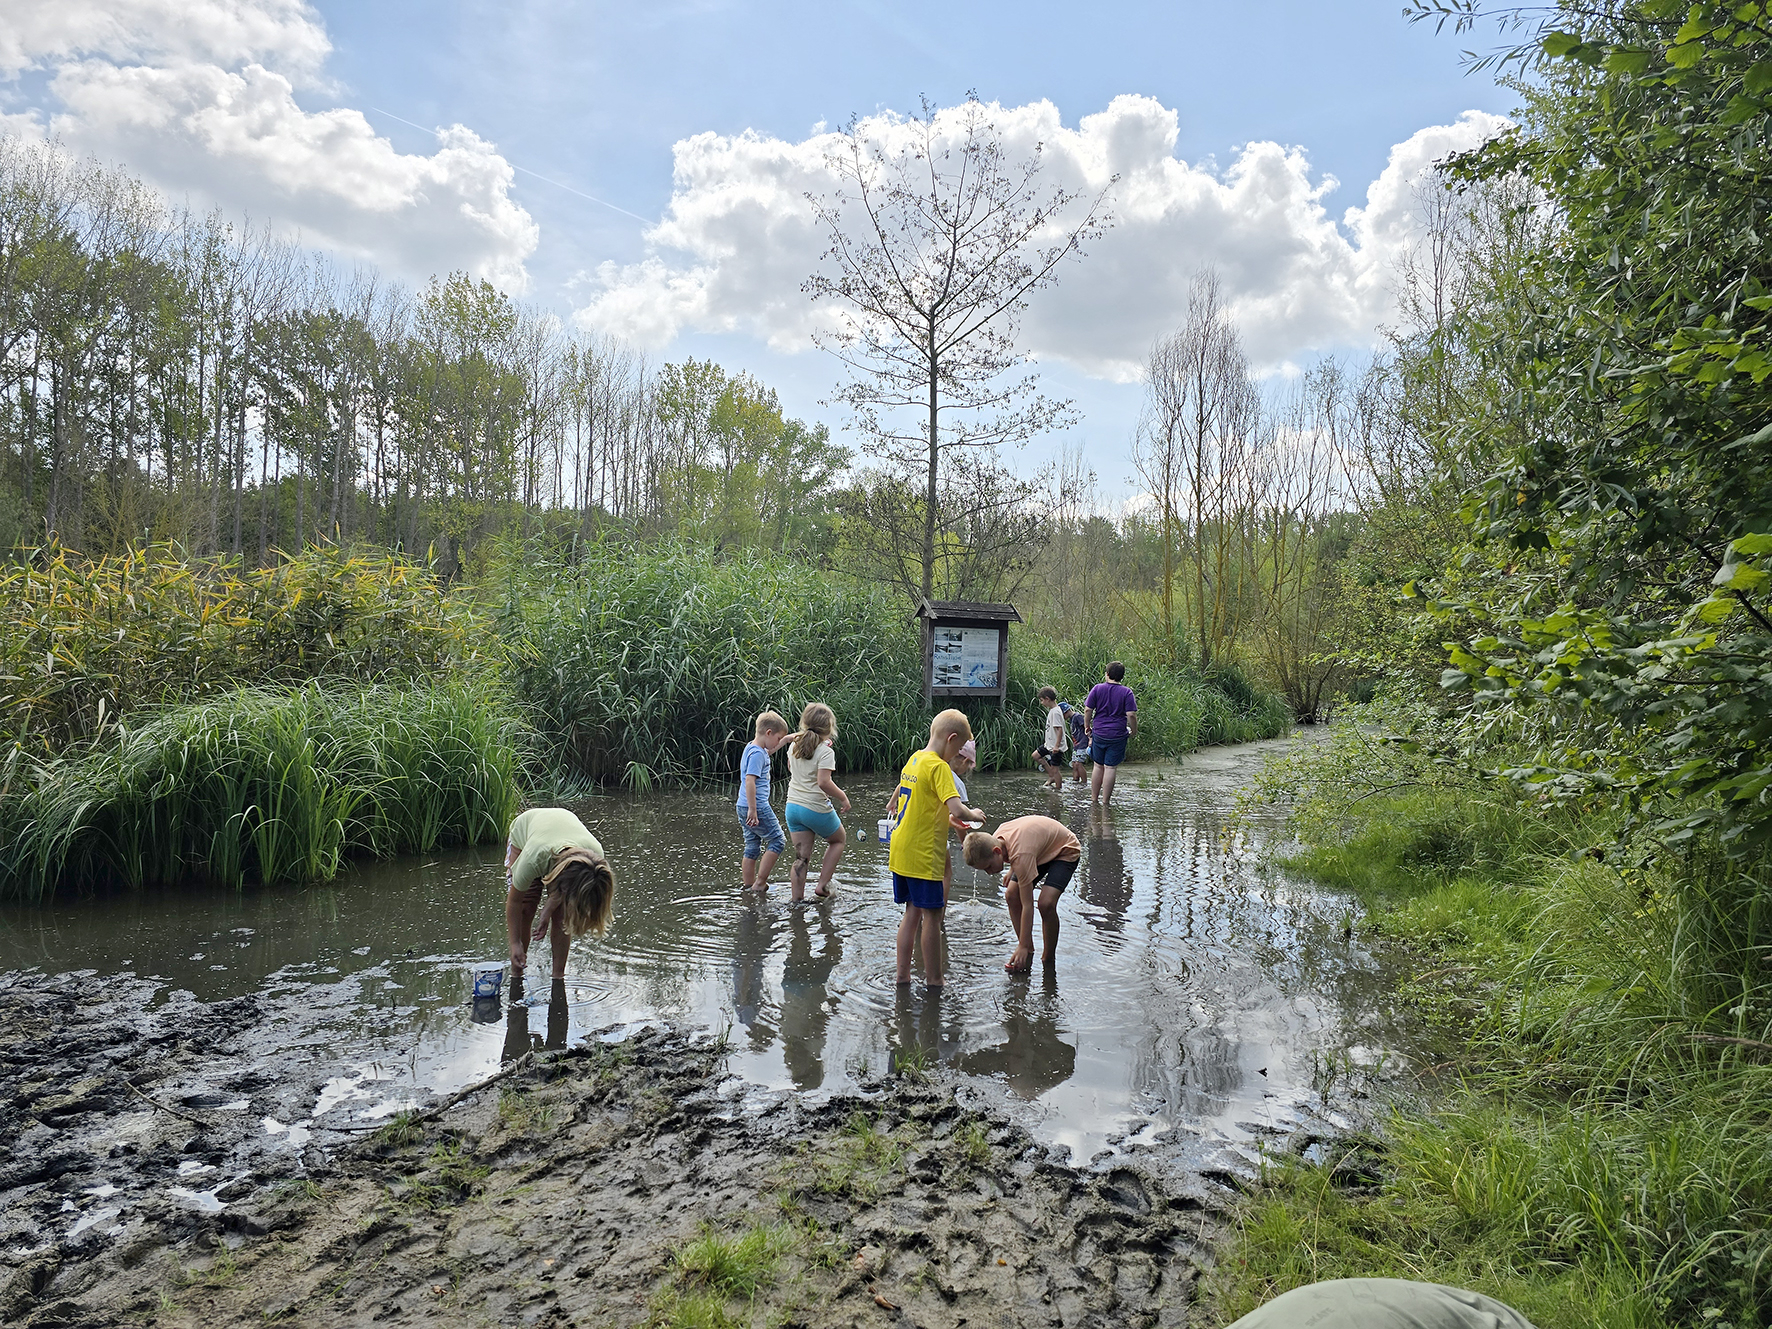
(1295, 488)
(1201, 414)
(938, 238)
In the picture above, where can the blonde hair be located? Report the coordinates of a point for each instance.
(770, 722)
(977, 849)
(818, 723)
(947, 724)
(587, 894)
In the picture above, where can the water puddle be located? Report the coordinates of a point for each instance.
(1196, 993)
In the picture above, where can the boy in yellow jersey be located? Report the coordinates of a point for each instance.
(925, 799)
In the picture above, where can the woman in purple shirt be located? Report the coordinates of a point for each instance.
(1110, 715)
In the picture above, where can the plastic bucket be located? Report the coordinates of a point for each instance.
(886, 830)
(489, 979)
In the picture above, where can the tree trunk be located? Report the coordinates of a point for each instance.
(929, 491)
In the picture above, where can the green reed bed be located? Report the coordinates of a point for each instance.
(1597, 1152)
(264, 785)
(644, 666)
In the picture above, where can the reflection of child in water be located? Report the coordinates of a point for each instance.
(550, 851)
(1039, 852)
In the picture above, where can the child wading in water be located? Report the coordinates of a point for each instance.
(763, 840)
(1050, 753)
(550, 851)
(925, 799)
(811, 788)
(1040, 852)
(1073, 718)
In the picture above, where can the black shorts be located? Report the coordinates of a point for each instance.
(1056, 874)
(1048, 755)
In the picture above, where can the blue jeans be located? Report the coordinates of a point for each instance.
(1108, 751)
(766, 834)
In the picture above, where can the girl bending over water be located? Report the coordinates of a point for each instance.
(551, 852)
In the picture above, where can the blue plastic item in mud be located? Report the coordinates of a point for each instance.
(489, 980)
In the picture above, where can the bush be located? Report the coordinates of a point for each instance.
(85, 642)
(265, 785)
(652, 665)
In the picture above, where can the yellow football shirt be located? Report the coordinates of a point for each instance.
(920, 844)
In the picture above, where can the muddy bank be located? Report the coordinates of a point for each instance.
(146, 1182)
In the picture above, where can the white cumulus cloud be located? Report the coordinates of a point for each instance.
(739, 238)
(199, 97)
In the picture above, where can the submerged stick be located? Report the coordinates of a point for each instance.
(154, 1102)
(521, 1063)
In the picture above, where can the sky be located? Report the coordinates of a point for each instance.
(640, 169)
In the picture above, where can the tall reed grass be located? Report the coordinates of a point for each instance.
(265, 785)
(651, 665)
(85, 643)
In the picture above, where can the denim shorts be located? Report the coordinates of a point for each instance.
(1108, 751)
(918, 891)
(822, 824)
(766, 834)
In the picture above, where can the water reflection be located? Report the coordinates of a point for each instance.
(806, 1003)
(1034, 1055)
(518, 1038)
(1198, 971)
(750, 995)
(1106, 883)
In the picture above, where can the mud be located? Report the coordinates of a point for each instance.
(143, 1184)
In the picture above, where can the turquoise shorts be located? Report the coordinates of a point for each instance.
(824, 825)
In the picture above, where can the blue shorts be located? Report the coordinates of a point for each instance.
(766, 834)
(1108, 751)
(918, 891)
(822, 824)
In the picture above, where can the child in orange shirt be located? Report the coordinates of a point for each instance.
(1039, 852)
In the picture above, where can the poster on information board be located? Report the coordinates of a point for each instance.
(966, 647)
(966, 657)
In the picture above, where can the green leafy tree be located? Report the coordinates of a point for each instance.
(1631, 482)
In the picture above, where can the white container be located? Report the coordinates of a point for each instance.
(489, 979)
(886, 825)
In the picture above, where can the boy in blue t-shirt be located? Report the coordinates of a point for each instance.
(763, 840)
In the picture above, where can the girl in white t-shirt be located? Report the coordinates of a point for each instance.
(812, 789)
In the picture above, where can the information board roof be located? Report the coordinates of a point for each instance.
(966, 611)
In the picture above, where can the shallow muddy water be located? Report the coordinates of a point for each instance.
(1200, 1000)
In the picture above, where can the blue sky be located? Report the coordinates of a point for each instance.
(1233, 118)
(594, 95)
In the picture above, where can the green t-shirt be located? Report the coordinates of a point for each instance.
(540, 833)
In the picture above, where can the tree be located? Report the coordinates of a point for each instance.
(1193, 449)
(1630, 487)
(937, 239)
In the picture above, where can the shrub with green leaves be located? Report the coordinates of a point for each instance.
(87, 642)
